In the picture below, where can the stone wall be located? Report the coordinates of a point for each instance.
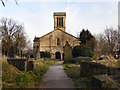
(91, 68)
(21, 64)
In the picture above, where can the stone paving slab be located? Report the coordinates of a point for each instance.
(57, 78)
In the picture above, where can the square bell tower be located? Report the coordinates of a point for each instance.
(59, 20)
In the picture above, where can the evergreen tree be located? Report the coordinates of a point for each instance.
(85, 36)
(87, 39)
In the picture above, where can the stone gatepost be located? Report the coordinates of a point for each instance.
(67, 52)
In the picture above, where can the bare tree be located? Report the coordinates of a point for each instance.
(13, 37)
(111, 39)
(3, 2)
(107, 41)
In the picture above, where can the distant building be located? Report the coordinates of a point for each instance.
(55, 40)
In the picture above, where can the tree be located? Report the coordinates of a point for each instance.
(82, 51)
(88, 39)
(108, 41)
(111, 38)
(84, 37)
(13, 37)
(3, 3)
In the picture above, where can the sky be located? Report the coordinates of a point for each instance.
(37, 15)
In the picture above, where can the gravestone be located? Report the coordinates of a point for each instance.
(38, 55)
(67, 52)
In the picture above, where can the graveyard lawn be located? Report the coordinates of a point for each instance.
(41, 66)
(14, 78)
(73, 71)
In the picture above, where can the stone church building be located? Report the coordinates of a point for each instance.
(55, 40)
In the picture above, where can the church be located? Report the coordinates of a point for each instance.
(55, 40)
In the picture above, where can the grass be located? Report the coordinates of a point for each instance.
(73, 71)
(109, 61)
(42, 66)
(110, 83)
(14, 78)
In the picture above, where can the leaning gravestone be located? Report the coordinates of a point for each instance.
(67, 52)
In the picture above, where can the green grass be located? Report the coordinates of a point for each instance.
(85, 82)
(14, 78)
(42, 66)
(110, 61)
(74, 73)
(110, 83)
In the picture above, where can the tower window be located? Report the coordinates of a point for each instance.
(60, 21)
(57, 21)
(58, 41)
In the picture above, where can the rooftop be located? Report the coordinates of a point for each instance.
(59, 14)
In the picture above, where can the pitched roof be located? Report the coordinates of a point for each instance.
(60, 30)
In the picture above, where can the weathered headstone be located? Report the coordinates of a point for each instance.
(67, 52)
(38, 55)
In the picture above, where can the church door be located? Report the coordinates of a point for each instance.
(57, 55)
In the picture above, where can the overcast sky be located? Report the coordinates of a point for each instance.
(38, 20)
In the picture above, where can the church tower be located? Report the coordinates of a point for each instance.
(59, 20)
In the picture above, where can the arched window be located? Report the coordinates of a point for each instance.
(58, 41)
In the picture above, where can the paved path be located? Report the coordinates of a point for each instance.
(57, 78)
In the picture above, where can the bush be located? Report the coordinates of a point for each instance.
(82, 51)
(45, 54)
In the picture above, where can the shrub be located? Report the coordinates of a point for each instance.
(82, 51)
(45, 54)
